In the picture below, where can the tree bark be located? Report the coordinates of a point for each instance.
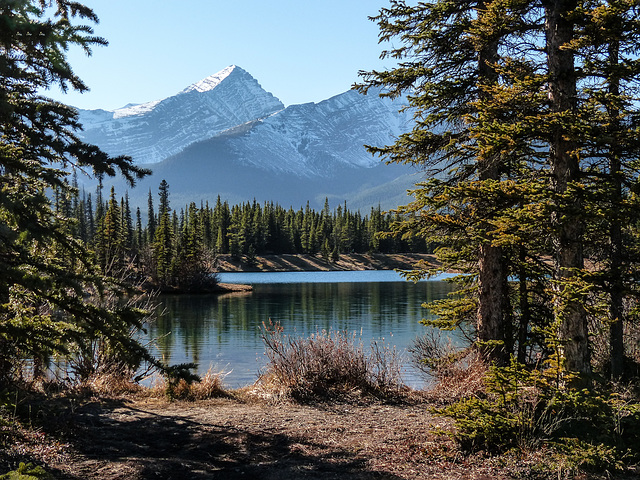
(493, 301)
(616, 310)
(565, 169)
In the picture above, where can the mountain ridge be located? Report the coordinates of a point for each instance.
(225, 135)
(152, 131)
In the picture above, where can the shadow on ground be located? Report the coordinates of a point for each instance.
(119, 441)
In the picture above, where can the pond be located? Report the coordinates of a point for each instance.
(222, 332)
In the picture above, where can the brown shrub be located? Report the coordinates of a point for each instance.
(326, 364)
(211, 385)
(110, 384)
(464, 378)
(456, 373)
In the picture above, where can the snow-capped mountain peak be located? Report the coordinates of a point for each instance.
(226, 135)
(309, 139)
(153, 131)
(212, 81)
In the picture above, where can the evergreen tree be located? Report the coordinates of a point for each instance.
(99, 211)
(139, 235)
(222, 220)
(565, 174)
(505, 130)
(80, 215)
(151, 219)
(193, 269)
(127, 225)
(45, 273)
(110, 244)
(163, 240)
(606, 47)
(91, 227)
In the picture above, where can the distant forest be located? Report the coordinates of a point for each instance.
(177, 248)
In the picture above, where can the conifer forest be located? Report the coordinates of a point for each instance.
(176, 248)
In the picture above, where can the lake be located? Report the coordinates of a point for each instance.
(223, 331)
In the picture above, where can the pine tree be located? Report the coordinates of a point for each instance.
(127, 226)
(445, 72)
(221, 221)
(565, 174)
(541, 146)
(139, 233)
(45, 272)
(151, 219)
(110, 245)
(91, 227)
(163, 240)
(606, 46)
(192, 268)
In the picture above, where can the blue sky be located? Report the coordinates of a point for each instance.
(299, 51)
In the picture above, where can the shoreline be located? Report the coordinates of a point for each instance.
(315, 263)
(308, 263)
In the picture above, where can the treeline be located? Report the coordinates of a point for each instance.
(177, 249)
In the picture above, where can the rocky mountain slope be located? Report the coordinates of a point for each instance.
(226, 136)
(153, 131)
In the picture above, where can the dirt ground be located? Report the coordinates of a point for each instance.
(228, 439)
(144, 438)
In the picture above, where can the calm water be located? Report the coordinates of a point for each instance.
(223, 332)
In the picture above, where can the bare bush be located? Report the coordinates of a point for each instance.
(457, 373)
(327, 364)
(99, 359)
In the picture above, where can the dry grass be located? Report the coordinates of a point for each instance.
(458, 373)
(463, 379)
(211, 385)
(324, 365)
(111, 384)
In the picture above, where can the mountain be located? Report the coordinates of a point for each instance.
(226, 136)
(153, 131)
(310, 139)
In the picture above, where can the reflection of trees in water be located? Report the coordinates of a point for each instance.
(202, 325)
(181, 319)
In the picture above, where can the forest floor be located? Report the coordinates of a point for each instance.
(140, 438)
(236, 437)
(315, 263)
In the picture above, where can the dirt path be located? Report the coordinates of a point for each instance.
(227, 439)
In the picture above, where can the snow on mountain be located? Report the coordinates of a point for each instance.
(210, 82)
(225, 135)
(153, 131)
(311, 139)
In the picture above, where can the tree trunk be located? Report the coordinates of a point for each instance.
(523, 332)
(492, 276)
(616, 311)
(573, 334)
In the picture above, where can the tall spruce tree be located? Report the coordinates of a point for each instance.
(110, 243)
(45, 272)
(445, 72)
(526, 124)
(607, 46)
(163, 240)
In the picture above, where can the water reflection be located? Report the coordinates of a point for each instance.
(224, 332)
